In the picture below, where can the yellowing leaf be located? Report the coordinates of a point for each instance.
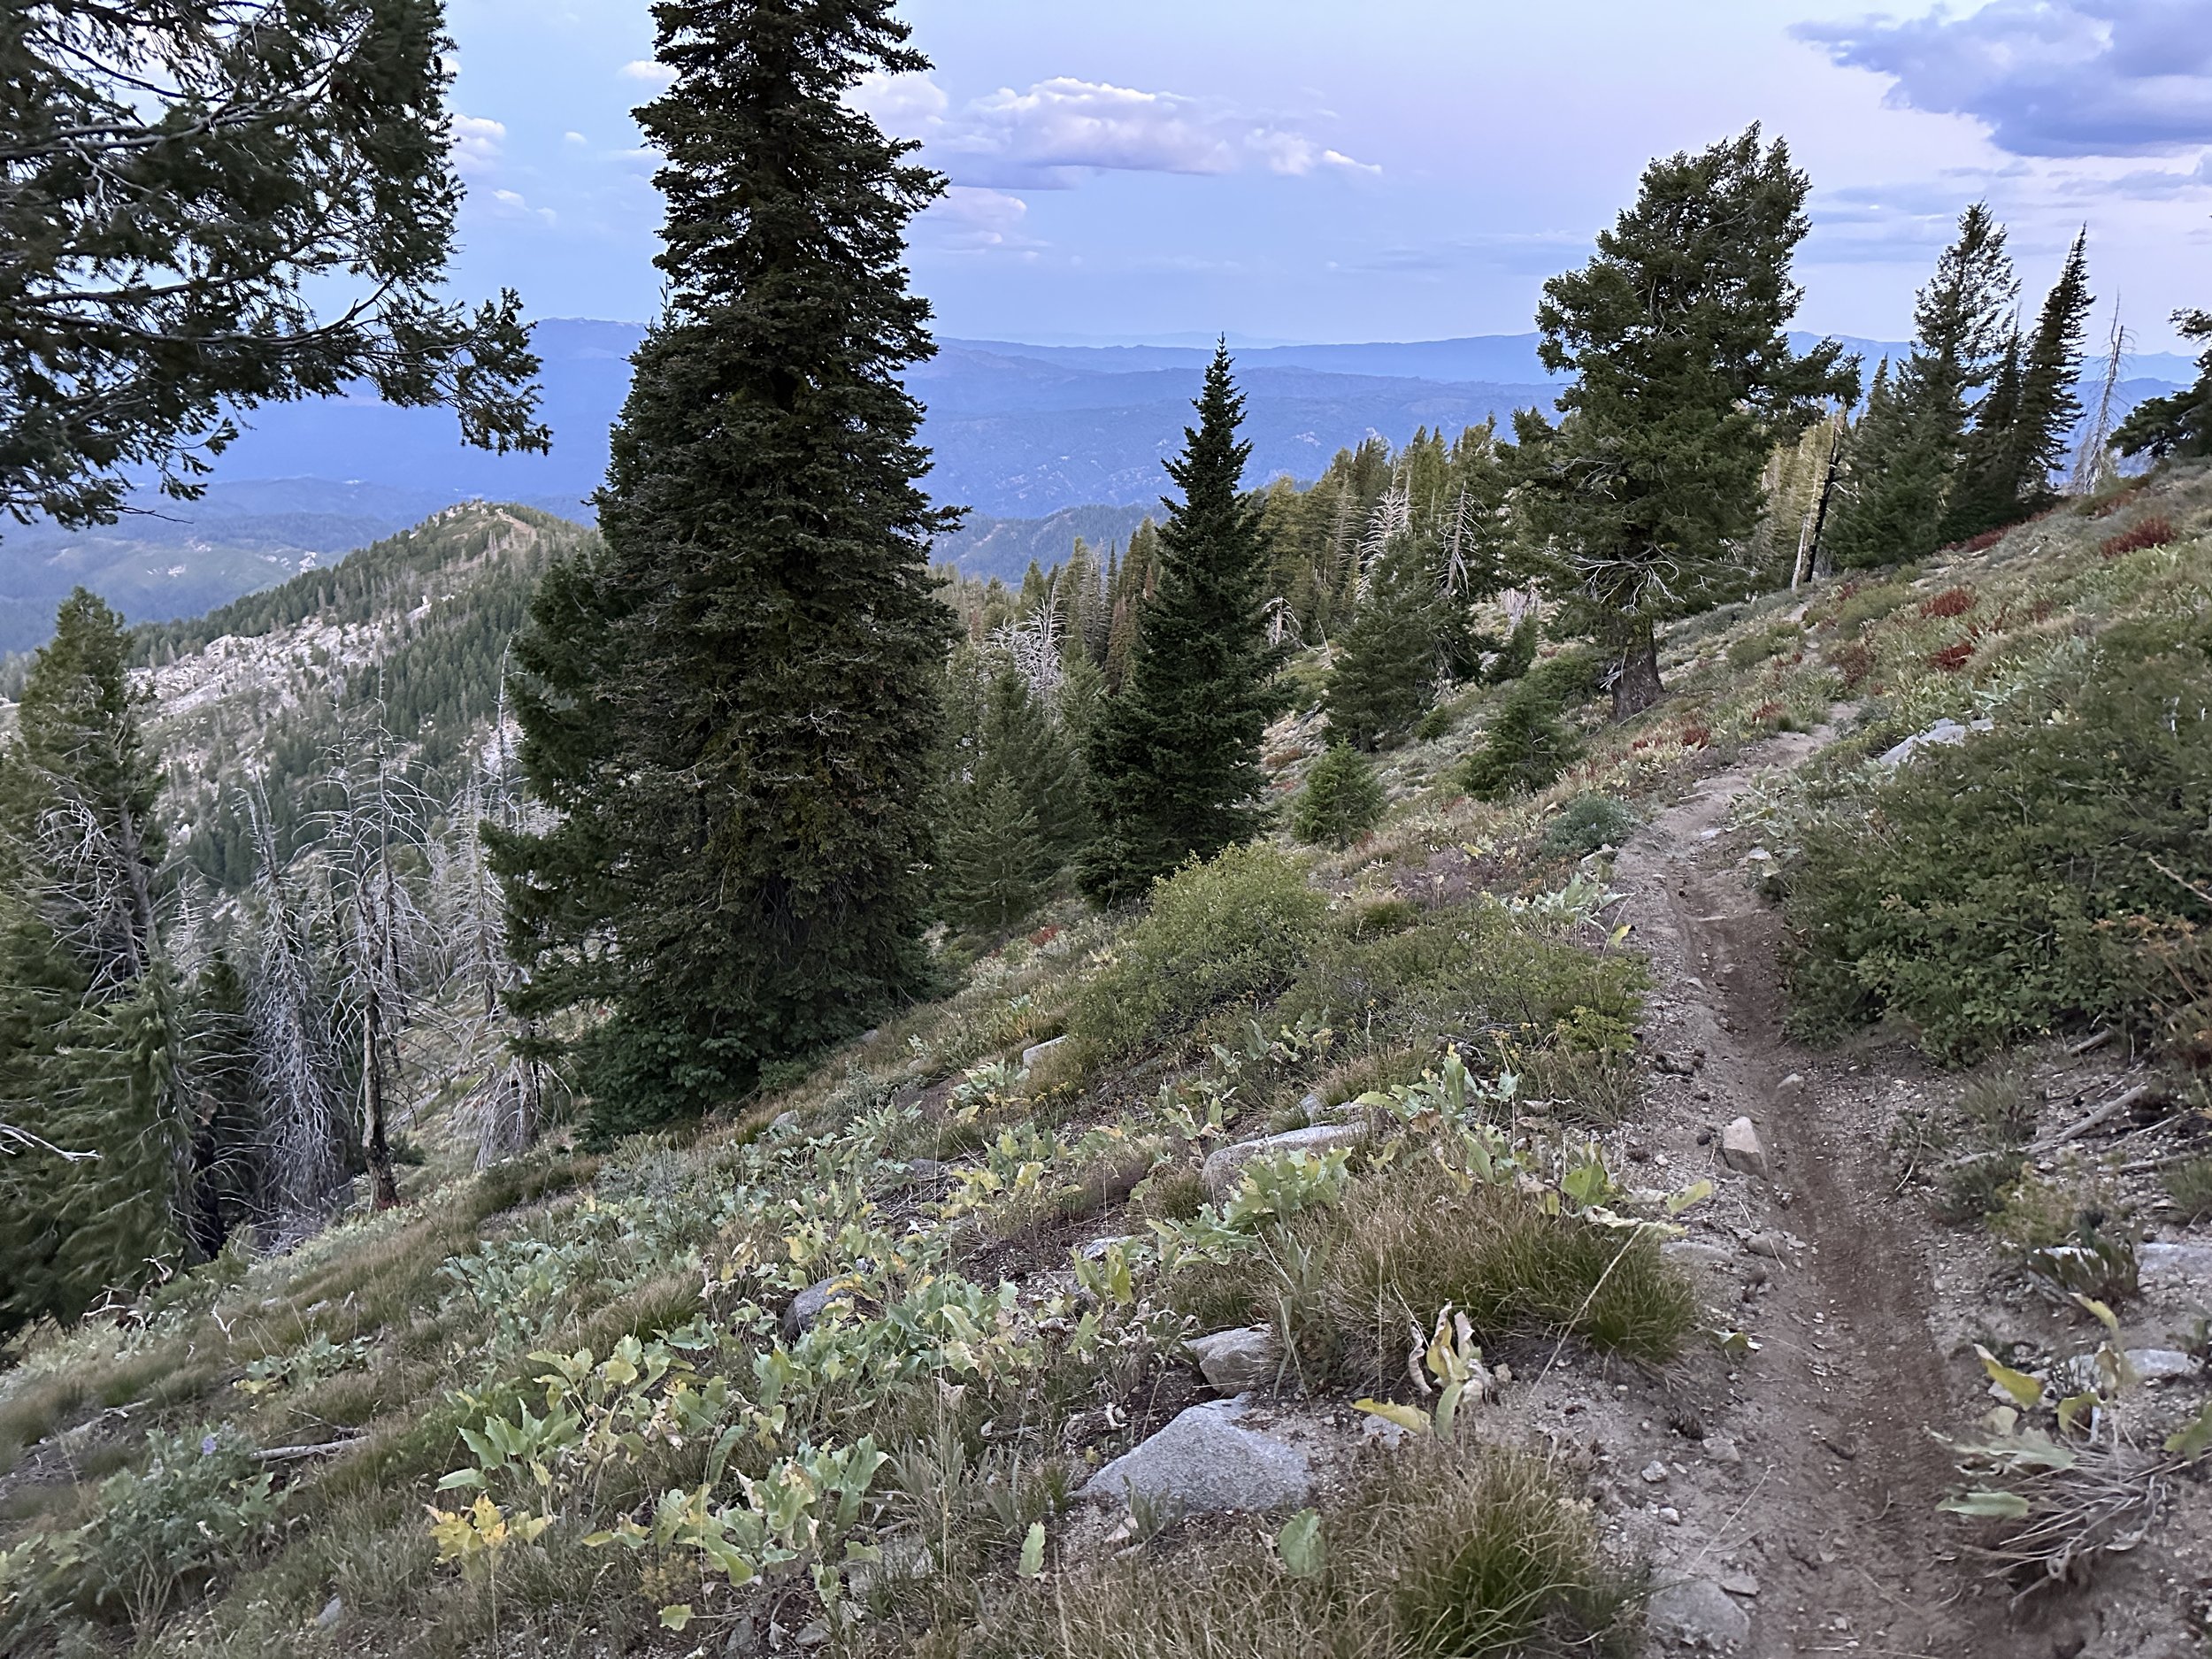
(676, 1616)
(2025, 1391)
(2194, 1441)
(1033, 1560)
(1390, 1411)
(1987, 1505)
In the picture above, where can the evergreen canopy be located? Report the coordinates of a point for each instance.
(1676, 331)
(2181, 423)
(175, 177)
(731, 707)
(1174, 756)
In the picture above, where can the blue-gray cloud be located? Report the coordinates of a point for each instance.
(2048, 77)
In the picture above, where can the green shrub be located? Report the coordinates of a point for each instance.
(1517, 657)
(2069, 1233)
(1569, 678)
(2044, 874)
(1753, 649)
(1861, 605)
(1525, 746)
(1342, 799)
(2189, 1184)
(1587, 823)
(1447, 1552)
(1232, 931)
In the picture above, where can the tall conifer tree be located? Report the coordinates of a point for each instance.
(92, 1185)
(2026, 423)
(1174, 757)
(1386, 663)
(731, 706)
(1685, 381)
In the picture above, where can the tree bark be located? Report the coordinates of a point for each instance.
(1636, 683)
(385, 1188)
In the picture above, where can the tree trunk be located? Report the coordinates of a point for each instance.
(1636, 685)
(385, 1189)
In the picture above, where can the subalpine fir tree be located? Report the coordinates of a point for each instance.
(93, 1176)
(1174, 759)
(1385, 663)
(2028, 420)
(1685, 381)
(731, 706)
(1910, 444)
(1342, 799)
(2180, 424)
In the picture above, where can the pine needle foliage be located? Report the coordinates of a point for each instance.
(731, 706)
(1386, 669)
(1174, 760)
(1342, 799)
(1685, 381)
(91, 1154)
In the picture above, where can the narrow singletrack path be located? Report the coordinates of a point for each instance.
(1837, 1402)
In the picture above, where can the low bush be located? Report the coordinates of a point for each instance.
(1587, 823)
(1753, 649)
(1859, 604)
(1516, 658)
(2069, 1233)
(2050, 871)
(1232, 931)
(2189, 1184)
(1449, 1552)
(1342, 799)
(1525, 746)
(2155, 531)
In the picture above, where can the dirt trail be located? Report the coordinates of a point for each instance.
(1840, 1476)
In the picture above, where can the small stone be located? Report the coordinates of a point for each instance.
(1225, 1165)
(1096, 1249)
(332, 1612)
(1739, 1584)
(816, 1299)
(1771, 1245)
(1233, 1360)
(1038, 1051)
(1655, 1471)
(782, 1121)
(1740, 1150)
(1698, 1613)
(2161, 1364)
(1720, 1449)
(1383, 1432)
(1669, 1516)
(1789, 1087)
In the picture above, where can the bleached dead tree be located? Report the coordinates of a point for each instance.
(294, 1060)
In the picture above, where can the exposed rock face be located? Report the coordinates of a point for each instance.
(1225, 1164)
(2176, 1266)
(1207, 1460)
(1038, 1051)
(1233, 1360)
(1741, 1148)
(1941, 735)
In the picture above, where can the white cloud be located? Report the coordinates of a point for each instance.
(970, 217)
(1052, 133)
(574, 138)
(653, 74)
(477, 143)
(512, 204)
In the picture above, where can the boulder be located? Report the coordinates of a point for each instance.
(1740, 1150)
(1207, 1460)
(1699, 1615)
(1234, 1361)
(1225, 1165)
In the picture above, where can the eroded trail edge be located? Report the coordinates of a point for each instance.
(1827, 1270)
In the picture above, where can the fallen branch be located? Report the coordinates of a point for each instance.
(292, 1453)
(2090, 1045)
(2117, 1106)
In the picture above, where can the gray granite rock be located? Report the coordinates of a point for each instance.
(1225, 1165)
(1233, 1360)
(1740, 1149)
(1038, 1051)
(816, 1300)
(1208, 1460)
(2185, 1267)
(1699, 1615)
(2161, 1364)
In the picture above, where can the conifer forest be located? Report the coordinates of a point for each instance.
(1586, 1031)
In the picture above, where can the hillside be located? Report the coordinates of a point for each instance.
(1678, 1207)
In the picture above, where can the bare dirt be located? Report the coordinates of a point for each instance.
(1837, 1522)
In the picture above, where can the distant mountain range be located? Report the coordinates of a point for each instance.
(1023, 436)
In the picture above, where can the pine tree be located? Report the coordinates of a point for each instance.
(1385, 664)
(2180, 424)
(215, 1076)
(1174, 764)
(1685, 382)
(92, 1189)
(730, 707)
(1342, 798)
(2027, 421)
(1910, 444)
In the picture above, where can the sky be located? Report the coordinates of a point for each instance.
(1289, 171)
